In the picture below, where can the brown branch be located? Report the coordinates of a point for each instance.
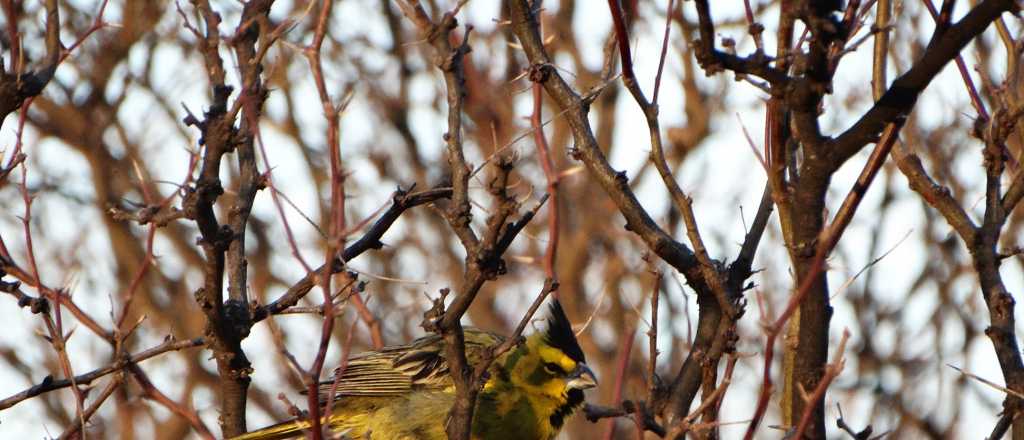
(7, 266)
(484, 266)
(401, 201)
(49, 384)
(515, 338)
(831, 372)
(999, 301)
(683, 203)
(35, 305)
(712, 402)
(901, 96)
(620, 376)
(228, 320)
(152, 392)
(652, 340)
(52, 320)
(713, 60)
(551, 253)
(863, 434)
(938, 196)
(594, 413)
(615, 184)
(483, 255)
(337, 228)
(725, 286)
(449, 61)
(741, 268)
(1002, 425)
(19, 87)
(664, 51)
(1014, 192)
(133, 286)
(826, 243)
(108, 390)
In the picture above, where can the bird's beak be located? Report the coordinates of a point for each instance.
(581, 378)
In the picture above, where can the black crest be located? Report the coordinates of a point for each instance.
(560, 334)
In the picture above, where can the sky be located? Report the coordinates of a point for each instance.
(709, 179)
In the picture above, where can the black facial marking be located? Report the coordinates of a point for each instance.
(560, 335)
(554, 368)
(574, 400)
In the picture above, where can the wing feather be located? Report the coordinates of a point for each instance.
(397, 370)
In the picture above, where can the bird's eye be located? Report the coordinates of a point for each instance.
(553, 368)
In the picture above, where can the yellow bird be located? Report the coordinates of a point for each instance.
(405, 392)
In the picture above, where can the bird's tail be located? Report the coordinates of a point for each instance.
(283, 430)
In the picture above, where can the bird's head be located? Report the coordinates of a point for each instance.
(551, 365)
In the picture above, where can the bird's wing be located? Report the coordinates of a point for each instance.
(397, 370)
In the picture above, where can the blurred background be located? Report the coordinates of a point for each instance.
(110, 123)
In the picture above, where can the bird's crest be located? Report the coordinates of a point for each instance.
(560, 335)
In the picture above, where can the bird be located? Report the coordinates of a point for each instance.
(405, 392)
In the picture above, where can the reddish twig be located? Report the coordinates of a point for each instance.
(622, 365)
(54, 319)
(682, 202)
(401, 201)
(594, 413)
(551, 254)
(337, 228)
(652, 340)
(147, 261)
(150, 391)
(664, 52)
(713, 400)
(515, 338)
(826, 242)
(76, 427)
(49, 384)
(831, 372)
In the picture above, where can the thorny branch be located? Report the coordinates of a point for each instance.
(483, 254)
(50, 384)
(800, 160)
(704, 275)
